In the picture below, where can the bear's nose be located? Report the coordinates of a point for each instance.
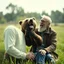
(31, 22)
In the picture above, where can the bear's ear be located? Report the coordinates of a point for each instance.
(20, 22)
(33, 18)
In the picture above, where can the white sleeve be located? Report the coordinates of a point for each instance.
(9, 39)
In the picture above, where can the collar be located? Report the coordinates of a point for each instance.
(47, 31)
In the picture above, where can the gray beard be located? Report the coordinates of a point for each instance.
(41, 29)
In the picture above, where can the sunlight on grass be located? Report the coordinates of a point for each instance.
(60, 42)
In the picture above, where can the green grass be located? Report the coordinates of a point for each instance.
(60, 42)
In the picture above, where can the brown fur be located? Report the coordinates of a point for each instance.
(35, 40)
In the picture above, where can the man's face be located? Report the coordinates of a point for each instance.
(43, 25)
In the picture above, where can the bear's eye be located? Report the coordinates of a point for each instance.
(31, 21)
(26, 21)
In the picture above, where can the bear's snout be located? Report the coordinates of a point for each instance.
(31, 24)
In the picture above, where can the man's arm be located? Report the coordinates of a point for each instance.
(52, 47)
(9, 39)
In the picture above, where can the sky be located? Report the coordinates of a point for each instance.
(34, 5)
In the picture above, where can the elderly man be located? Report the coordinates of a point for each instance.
(49, 39)
(15, 45)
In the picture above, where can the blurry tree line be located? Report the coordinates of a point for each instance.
(17, 13)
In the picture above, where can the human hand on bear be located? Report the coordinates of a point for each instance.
(30, 56)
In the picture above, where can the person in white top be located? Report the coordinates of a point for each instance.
(15, 45)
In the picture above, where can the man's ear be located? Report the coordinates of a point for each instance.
(20, 22)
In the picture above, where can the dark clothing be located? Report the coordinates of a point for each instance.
(40, 59)
(49, 40)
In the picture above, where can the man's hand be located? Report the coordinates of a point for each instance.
(43, 52)
(30, 56)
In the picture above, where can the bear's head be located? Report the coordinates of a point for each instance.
(28, 24)
(28, 28)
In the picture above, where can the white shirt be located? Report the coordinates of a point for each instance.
(14, 41)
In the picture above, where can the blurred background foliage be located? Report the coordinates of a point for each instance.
(18, 13)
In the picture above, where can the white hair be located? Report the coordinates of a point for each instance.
(46, 18)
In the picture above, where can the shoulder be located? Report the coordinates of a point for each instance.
(53, 31)
(10, 28)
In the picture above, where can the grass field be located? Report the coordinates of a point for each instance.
(60, 42)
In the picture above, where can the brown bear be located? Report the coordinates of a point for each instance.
(29, 29)
(32, 37)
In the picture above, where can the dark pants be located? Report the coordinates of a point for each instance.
(49, 59)
(41, 59)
